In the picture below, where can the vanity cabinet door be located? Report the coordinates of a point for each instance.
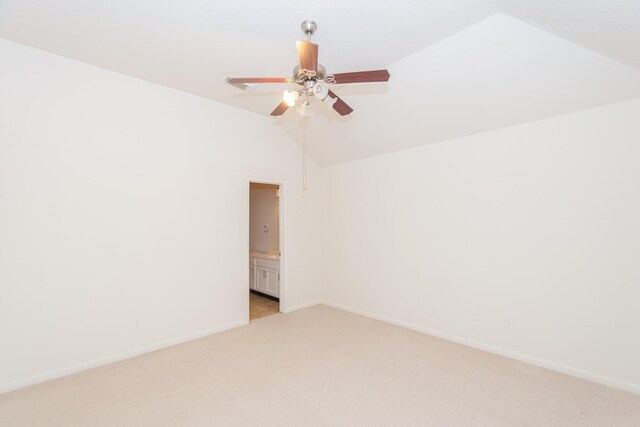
(267, 281)
(272, 283)
(252, 277)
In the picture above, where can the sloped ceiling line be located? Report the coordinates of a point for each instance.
(457, 67)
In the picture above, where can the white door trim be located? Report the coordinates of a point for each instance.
(282, 291)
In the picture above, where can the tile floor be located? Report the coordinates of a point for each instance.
(261, 307)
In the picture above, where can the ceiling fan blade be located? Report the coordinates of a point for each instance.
(362, 77)
(308, 54)
(280, 109)
(340, 106)
(237, 80)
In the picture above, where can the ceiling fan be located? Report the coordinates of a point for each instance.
(313, 78)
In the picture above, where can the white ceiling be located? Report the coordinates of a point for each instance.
(496, 73)
(457, 66)
(611, 27)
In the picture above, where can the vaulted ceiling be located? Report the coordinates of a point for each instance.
(457, 67)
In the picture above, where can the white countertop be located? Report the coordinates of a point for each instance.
(264, 256)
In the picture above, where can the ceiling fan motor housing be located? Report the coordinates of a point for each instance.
(299, 75)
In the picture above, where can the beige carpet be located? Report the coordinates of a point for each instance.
(319, 366)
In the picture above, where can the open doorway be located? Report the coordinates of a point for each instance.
(265, 249)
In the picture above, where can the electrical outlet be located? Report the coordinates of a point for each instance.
(475, 316)
(135, 324)
(509, 322)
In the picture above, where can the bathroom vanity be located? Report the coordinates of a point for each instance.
(264, 274)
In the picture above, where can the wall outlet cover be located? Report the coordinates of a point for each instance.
(509, 322)
(135, 324)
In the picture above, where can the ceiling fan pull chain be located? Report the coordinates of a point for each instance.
(305, 159)
(304, 162)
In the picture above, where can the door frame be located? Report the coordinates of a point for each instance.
(282, 289)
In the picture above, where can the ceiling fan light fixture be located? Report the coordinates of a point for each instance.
(304, 109)
(290, 97)
(320, 91)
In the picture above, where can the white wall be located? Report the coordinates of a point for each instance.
(112, 208)
(540, 222)
(120, 199)
(264, 211)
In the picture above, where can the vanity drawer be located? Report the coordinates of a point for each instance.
(266, 263)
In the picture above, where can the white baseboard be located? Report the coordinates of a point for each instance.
(305, 305)
(58, 373)
(47, 376)
(568, 370)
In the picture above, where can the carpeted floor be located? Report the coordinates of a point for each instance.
(319, 367)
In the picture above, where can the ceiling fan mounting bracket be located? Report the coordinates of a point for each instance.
(308, 27)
